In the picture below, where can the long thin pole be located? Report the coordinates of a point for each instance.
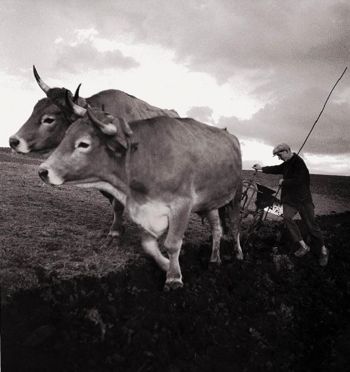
(324, 105)
(313, 126)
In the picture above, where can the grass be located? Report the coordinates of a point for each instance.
(62, 228)
(64, 297)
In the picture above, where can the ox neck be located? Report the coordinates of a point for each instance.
(130, 148)
(118, 174)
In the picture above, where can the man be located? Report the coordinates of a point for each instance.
(296, 198)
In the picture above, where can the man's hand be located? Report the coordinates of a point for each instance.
(257, 167)
(280, 182)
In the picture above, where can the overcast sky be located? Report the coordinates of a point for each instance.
(263, 69)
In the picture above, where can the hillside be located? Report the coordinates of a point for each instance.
(65, 294)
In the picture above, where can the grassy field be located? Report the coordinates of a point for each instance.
(65, 294)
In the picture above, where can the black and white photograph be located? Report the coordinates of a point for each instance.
(175, 185)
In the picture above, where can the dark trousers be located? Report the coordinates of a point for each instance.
(307, 214)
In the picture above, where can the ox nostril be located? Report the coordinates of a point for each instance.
(43, 174)
(14, 142)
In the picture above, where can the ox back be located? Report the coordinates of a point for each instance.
(184, 153)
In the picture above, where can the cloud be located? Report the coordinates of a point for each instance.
(222, 37)
(290, 120)
(84, 55)
(287, 54)
(269, 43)
(203, 114)
(226, 37)
(284, 55)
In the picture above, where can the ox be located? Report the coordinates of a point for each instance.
(161, 169)
(51, 117)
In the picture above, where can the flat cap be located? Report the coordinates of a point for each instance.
(279, 148)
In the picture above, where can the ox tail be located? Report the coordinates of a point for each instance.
(230, 218)
(225, 212)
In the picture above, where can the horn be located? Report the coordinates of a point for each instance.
(78, 110)
(76, 94)
(109, 129)
(42, 85)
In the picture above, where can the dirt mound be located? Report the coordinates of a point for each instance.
(270, 312)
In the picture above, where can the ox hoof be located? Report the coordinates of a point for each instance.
(239, 256)
(173, 284)
(214, 265)
(213, 268)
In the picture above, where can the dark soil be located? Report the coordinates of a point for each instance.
(67, 308)
(270, 312)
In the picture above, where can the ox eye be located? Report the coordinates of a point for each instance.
(83, 145)
(48, 120)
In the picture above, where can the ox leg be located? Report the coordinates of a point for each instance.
(150, 246)
(216, 229)
(117, 229)
(178, 222)
(233, 209)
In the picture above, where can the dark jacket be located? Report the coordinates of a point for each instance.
(296, 180)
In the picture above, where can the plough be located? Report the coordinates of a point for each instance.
(258, 203)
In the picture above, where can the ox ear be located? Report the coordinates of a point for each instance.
(107, 128)
(119, 142)
(117, 131)
(123, 132)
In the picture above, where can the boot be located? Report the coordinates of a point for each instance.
(302, 251)
(323, 260)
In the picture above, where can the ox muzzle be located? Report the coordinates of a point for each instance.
(18, 144)
(14, 142)
(44, 174)
(49, 175)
